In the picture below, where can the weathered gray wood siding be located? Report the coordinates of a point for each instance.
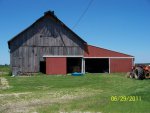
(45, 37)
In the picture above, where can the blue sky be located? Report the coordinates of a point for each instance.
(120, 25)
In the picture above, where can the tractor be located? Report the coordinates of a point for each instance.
(140, 72)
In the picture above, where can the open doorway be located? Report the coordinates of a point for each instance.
(73, 65)
(43, 67)
(97, 65)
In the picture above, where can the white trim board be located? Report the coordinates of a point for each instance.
(62, 56)
(109, 64)
(109, 57)
(85, 57)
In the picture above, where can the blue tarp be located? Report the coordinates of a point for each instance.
(77, 74)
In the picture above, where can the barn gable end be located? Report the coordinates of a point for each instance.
(47, 36)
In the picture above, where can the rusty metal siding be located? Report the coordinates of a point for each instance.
(93, 51)
(120, 65)
(56, 66)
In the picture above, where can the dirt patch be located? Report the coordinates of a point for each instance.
(44, 99)
(4, 83)
(14, 94)
(2, 73)
(28, 106)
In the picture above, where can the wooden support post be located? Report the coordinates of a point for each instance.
(109, 65)
(83, 66)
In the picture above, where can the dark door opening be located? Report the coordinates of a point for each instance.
(97, 65)
(73, 65)
(43, 67)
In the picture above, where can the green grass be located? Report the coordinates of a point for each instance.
(4, 68)
(89, 93)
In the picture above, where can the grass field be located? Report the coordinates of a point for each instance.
(4, 69)
(90, 93)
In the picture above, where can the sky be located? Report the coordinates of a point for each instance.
(119, 25)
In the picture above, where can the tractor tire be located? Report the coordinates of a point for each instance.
(139, 73)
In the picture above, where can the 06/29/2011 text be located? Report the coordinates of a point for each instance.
(125, 98)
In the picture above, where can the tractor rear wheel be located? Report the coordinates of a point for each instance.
(139, 73)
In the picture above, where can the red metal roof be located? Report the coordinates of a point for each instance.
(93, 51)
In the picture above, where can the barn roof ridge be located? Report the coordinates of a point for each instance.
(110, 50)
(51, 13)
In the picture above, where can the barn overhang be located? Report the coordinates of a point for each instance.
(117, 62)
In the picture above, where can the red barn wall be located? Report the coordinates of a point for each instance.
(120, 65)
(56, 65)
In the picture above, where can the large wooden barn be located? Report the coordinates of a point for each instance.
(49, 46)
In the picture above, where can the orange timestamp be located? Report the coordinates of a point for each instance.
(125, 98)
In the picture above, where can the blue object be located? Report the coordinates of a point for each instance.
(77, 74)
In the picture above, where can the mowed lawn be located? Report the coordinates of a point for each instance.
(90, 93)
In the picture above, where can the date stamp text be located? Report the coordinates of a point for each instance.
(125, 98)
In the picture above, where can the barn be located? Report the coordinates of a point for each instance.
(50, 47)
